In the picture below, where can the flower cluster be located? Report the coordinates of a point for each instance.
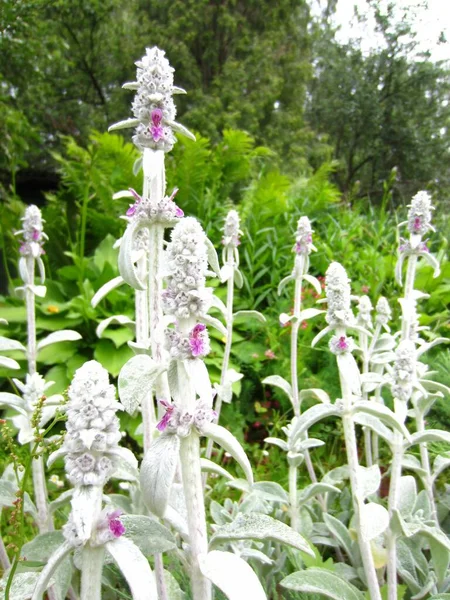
(92, 427)
(365, 307)
(180, 421)
(108, 528)
(33, 234)
(163, 211)
(153, 104)
(231, 231)
(186, 295)
(303, 237)
(341, 344)
(383, 312)
(194, 345)
(337, 289)
(419, 215)
(404, 370)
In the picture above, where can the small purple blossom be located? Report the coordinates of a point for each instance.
(166, 418)
(156, 129)
(197, 340)
(115, 525)
(341, 344)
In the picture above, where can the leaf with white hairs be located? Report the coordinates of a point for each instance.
(127, 257)
(224, 438)
(136, 380)
(323, 582)
(125, 124)
(374, 521)
(84, 509)
(158, 472)
(9, 363)
(105, 289)
(281, 383)
(6, 344)
(66, 335)
(120, 319)
(134, 567)
(211, 467)
(232, 575)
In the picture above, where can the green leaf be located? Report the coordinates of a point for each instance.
(105, 253)
(57, 353)
(110, 357)
(321, 581)
(259, 527)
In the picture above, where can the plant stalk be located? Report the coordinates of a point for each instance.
(293, 496)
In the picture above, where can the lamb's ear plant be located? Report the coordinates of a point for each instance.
(414, 395)
(298, 449)
(35, 387)
(92, 454)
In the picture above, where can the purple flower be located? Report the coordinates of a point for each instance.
(115, 525)
(133, 207)
(166, 418)
(197, 340)
(156, 130)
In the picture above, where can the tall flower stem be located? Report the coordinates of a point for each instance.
(92, 560)
(374, 442)
(193, 493)
(425, 460)
(293, 496)
(358, 502)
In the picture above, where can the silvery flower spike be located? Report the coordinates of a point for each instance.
(92, 455)
(153, 106)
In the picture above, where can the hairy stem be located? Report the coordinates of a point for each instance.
(396, 473)
(193, 492)
(45, 520)
(91, 572)
(425, 460)
(293, 496)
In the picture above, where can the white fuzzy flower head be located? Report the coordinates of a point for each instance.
(404, 370)
(365, 307)
(33, 233)
(337, 289)
(92, 427)
(303, 237)
(383, 311)
(180, 421)
(153, 104)
(32, 390)
(163, 211)
(187, 264)
(419, 215)
(231, 231)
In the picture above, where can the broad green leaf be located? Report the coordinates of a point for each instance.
(321, 581)
(57, 353)
(232, 575)
(259, 527)
(110, 357)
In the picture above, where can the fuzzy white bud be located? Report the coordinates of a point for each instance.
(404, 370)
(33, 233)
(365, 307)
(231, 231)
(92, 426)
(419, 215)
(186, 295)
(303, 237)
(383, 311)
(337, 289)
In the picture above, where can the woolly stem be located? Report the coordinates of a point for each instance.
(293, 496)
(363, 343)
(425, 460)
(92, 560)
(45, 520)
(159, 576)
(31, 317)
(396, 473)
(358, 501)
(193, 493)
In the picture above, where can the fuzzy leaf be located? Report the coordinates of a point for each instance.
(407, 495)
(281, 383)
(213, 259)
(284, 282)
(6, 344)
(431, 435)
(211, 467)
(120, 319)
(13, 401)
(66, 335)
(316, 488)
(259, 527)
(238, 279)
(136, 380)
(309, 313)
(224, 438)
(249, 314)
(381, 412)
(321, 581)
(158, 472)
(369, 479)
(315, 393)
(277, 442)
(45, 575)
(314, 282)
(199, 376)
(127, 123)
(8, 363)
(127, 268)
(374, 520)
(313, 415)
(105, 289)
(147, 534)
(22, 586)
(225, 273)
(376, 425)
(341, 533)
(134, 567)
(232, 575)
